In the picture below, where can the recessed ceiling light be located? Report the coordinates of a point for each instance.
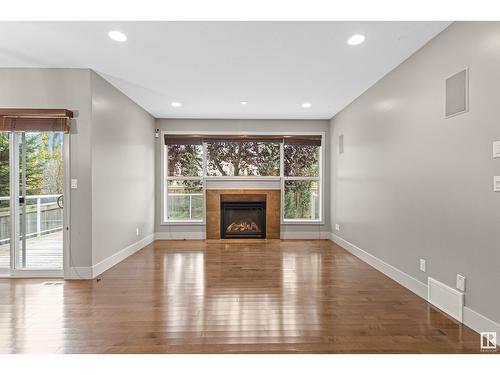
(306, 105)
(243, 102)
(175, 104)
(117, 35)
(356, 39)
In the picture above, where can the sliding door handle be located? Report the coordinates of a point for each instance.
(60, 201)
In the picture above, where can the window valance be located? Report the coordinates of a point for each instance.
(35, 120)
(193, 139)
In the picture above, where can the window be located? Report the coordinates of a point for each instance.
(190, 160)
(185, 199)
(230, 158)
(301, 187)
(184, 182)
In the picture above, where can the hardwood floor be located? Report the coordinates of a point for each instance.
(209, 297)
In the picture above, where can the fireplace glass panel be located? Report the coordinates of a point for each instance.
(243, 220)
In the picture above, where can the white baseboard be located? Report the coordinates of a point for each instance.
(179, 235)
(116, 258)
(471, 318)
(105, 264)
(79, 273)
(417, 287)
(478, 322)
(305, 235)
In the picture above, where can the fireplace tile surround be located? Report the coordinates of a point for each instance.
(213, 207)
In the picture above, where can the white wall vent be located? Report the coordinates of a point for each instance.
(445, 298)
(457, 94)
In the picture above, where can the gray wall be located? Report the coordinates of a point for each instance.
(237, 126)
(61, 88)
(122, 170)
(412, 184)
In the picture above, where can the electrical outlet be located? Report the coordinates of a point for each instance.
(136, 231)
(461, 282)
(422, 265)
(337, 227)
(74, 183)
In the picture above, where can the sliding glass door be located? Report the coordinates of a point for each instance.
(32, 202)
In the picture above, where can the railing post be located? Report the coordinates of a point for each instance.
(38, 217)
(190, 204)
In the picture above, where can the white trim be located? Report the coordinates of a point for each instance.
(471, 318)
(121, 255)
(183, 222)
(305, 235)
(416, 286)
(67, 205)
(79, 273)
(478, 322)
(106, 264)
(33, 273)
(180, 235)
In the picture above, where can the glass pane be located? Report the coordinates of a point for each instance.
(302, 200)
(41, 187)
(243, 159)
(185, 160)
(4, 201)
(301, 160)
(184, 200)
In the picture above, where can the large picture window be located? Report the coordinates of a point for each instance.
(190, 160)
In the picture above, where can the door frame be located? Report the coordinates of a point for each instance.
(14, 186)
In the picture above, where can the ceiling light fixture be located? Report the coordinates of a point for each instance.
(356, 39)
(117, 35)
(243, 102)
(306, 105)
(175, 104)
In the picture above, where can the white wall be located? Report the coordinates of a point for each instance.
(310, 230)
(122, 171)
(412, 184)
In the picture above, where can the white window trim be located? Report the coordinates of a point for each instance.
(204, 178)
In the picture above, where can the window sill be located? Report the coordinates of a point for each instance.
(302, 222)
(182, 222)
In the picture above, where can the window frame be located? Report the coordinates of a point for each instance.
(204, 178)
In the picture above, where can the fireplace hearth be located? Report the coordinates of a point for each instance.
(243, 220)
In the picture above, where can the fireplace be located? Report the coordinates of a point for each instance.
(243, 220)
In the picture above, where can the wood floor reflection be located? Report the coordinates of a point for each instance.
(206, 297)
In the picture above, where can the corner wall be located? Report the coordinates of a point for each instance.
(123, 177)
(412, 184)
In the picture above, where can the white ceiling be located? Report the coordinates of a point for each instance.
(211, 66)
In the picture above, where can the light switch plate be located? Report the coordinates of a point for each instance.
(422, 265)
(496, 183)
(461, 282)
(74, 183)
(496, 149)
